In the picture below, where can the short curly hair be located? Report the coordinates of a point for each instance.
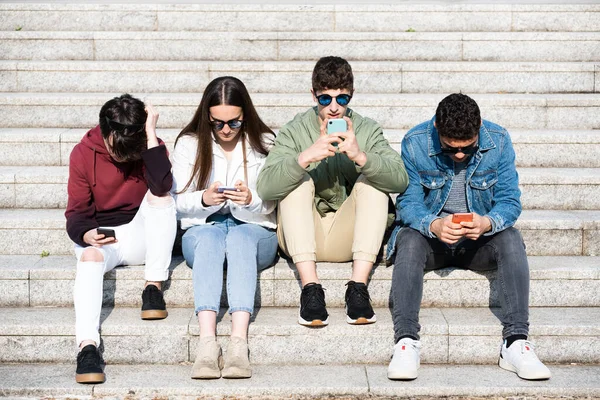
(457, 117)
(332, 73)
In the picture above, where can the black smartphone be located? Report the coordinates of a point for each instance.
(106, 232)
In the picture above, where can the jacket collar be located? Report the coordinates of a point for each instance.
(434, 146)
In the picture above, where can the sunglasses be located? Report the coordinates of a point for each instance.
(233, 124)
(341, 99)
(468, 150)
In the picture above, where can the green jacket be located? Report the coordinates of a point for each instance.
(334, 177)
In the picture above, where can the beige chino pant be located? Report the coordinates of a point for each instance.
(354, 232)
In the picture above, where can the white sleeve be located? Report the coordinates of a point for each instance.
(190, 201)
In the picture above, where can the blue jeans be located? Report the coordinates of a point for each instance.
(244, 248)
(504, 251)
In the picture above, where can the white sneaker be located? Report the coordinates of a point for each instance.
(406, 360)
(520, 358)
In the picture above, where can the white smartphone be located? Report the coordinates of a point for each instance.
(221, 189)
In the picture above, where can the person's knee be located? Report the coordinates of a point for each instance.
(241, 238)
(509, 239)
(410, 243)
(159, 201)
(306, 190)
(91, 254)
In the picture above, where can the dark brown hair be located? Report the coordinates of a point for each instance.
(332, 73)
(230, 91)
(123, 118)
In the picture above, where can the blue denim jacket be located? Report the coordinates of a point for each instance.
(492, 180)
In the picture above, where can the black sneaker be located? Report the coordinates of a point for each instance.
(153, 303)
(312, 306)
(89, 366)
(358, 304)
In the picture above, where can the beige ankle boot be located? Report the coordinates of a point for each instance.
(237, 364)
(209, 359)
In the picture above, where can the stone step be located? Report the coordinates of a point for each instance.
(547, 148)
(295, 77)
(542, 188)
(300, 46)
(330, 17)
(449, 336)
(556, 281)
(284, 382)
(546, 232)
(399, 111)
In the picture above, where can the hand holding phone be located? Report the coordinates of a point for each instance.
(99, 237)
(108, 233)
(462, 217)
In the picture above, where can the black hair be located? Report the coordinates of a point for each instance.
(123, 118)
(457, 117)
(332, 73)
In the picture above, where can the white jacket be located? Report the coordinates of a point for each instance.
(189, 204)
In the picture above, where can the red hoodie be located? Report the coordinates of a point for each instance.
(103, 192)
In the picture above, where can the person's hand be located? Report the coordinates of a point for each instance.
(349, 145)
(151, 121)
(92, 238)
(241, 196)
(479, 226)
(321, 149)
(211, 196)
(446, 230)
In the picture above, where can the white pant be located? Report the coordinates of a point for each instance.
(148, 237)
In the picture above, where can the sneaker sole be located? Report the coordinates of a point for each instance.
(361, 320)
(315, 323)
(94, 377)
(154, 314)
(236, 373)
(502, 363)
(395, 376)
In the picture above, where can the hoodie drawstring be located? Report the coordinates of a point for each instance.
(94, 169)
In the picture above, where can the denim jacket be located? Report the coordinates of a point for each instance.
(492, 180)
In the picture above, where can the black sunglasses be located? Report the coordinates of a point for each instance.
(468, 150)
(341, 99)
(233, 124)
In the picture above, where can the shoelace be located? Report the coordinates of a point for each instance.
(527, 349)
(88, 359)
(314, 297)
(238, 351)
(404, 353)
(155, 297)
(358, 294)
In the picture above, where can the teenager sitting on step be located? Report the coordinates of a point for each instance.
(459, 164)
(119, 178)
(332, 191)
(216, 162)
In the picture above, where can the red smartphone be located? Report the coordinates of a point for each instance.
(462, 217)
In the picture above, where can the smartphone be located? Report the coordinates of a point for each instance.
(106, 232)
(336, 125)
(221, 189)
(462, 217)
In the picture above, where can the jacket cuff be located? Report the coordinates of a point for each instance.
(426, 225)
(372, 166)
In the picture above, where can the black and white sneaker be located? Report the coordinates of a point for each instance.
(358, 304)
(312, 306)
(153, 303)
(89, 366)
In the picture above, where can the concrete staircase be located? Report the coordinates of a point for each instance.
(533, 68)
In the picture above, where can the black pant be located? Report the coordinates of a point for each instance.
(504, 251)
